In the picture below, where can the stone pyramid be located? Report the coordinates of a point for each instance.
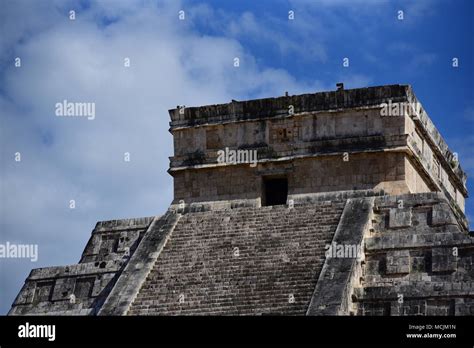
(344, 202)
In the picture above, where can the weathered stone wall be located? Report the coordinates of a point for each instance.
(415, 182)
(284, 133)
(362, 171)
(81, 289)
(428, 156)
(418, 261)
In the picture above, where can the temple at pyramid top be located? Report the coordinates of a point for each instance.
(270, 151)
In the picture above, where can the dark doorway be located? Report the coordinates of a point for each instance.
(275, 191)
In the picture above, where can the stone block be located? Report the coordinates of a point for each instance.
(443, 260)
(83, 287)
(43, 291)
(442, 215)
(398, 262)
(63, 288)
(26, 294)
(440, 307)
(399, 217)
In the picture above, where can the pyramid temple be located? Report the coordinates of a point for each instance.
(345, 202)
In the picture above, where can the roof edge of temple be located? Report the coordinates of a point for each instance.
(275, 106)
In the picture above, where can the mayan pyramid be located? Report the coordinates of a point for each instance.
(345, 202)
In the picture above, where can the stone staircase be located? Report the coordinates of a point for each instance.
(243, 261)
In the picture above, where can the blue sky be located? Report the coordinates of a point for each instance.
(188, 62)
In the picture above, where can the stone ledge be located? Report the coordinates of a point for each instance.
(298, 200)
(289, 158)
(334, 146)
(414, 290)
(196, 207)
(122, 224)
(394, 241)
(409, 200)
(444, 212)
(51, 311)
(335, 196)
(274, 107)
(76, 270)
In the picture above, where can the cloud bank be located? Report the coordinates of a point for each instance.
(73, 158)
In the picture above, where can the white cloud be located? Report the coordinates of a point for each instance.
(73, 158)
